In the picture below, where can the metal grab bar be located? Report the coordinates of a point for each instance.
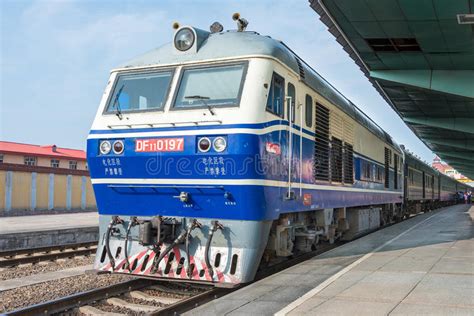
(172, 124)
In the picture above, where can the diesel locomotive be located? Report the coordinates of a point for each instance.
(223, 151)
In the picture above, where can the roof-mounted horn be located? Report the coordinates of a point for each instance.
(241, 22)
(216, 27)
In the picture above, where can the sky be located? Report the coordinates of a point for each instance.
(56, 56)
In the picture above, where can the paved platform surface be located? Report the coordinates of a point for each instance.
(20, 232)
(43, 277)
(21, 224)
(422, 266)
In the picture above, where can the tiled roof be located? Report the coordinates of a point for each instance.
(46, 150)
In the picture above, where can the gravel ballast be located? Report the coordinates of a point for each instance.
(30, 269)
(47, 291)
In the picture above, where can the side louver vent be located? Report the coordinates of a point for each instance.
(348, 164)
(321, 145)
(336, 160)
(300, 67)
(388, 154)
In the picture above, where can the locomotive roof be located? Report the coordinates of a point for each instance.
(233, 44)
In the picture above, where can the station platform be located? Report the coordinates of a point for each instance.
(422, 266)
(19, 232)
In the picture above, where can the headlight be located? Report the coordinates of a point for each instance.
(184, 39)
(118, 147)
(105, 147)
(204, 144)
(219, 144)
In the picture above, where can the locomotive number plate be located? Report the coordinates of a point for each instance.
(159, 144)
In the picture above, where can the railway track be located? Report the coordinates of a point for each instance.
(13, 258)
(166, 300)
(184, 296)
(90, 302)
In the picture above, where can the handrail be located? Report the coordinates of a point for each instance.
(171, 124)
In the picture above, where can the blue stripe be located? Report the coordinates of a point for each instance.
(246, 202)
(192, 128)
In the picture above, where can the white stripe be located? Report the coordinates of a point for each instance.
(336, 276)
(260, 182)
(219, 131)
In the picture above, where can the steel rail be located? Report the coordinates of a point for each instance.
(46, 257)
(70, 302)
(194, 301)
(16, 252)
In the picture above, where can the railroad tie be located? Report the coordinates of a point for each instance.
(134, 307)
(91, 311)
(168, 290)
(147, 297)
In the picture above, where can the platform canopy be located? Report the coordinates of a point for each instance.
(419, 55)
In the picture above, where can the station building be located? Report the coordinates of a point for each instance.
(443, 167)
(43, 179)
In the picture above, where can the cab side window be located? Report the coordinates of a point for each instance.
(276, 95)
(309, 111)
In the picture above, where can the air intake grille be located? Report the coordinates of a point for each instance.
(301, 69)
(321, 147)
(348, 164)
(395, 177)
(388, 153)
(336, 160)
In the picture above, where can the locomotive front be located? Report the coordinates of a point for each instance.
(170, 156)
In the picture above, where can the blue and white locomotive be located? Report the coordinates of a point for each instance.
(224, 150)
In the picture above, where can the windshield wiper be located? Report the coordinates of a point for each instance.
(203, 100)
(116, 104)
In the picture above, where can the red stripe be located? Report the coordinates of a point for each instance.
(170, 272)
(207, 275)
(150, 261)
(220, 276)
(141, 255)
(195, 274)
(184, 274)
(177, 254)
(129, 258)
(120, 264)
(148, 271)
(233, 279)
(165, 259)
(106, 267)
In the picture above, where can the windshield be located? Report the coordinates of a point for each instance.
(140, 92)
(210, 86)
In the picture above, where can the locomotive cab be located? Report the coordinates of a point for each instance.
(160, 136)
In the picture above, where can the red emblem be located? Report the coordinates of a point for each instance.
(307, 199)
(273, 148)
